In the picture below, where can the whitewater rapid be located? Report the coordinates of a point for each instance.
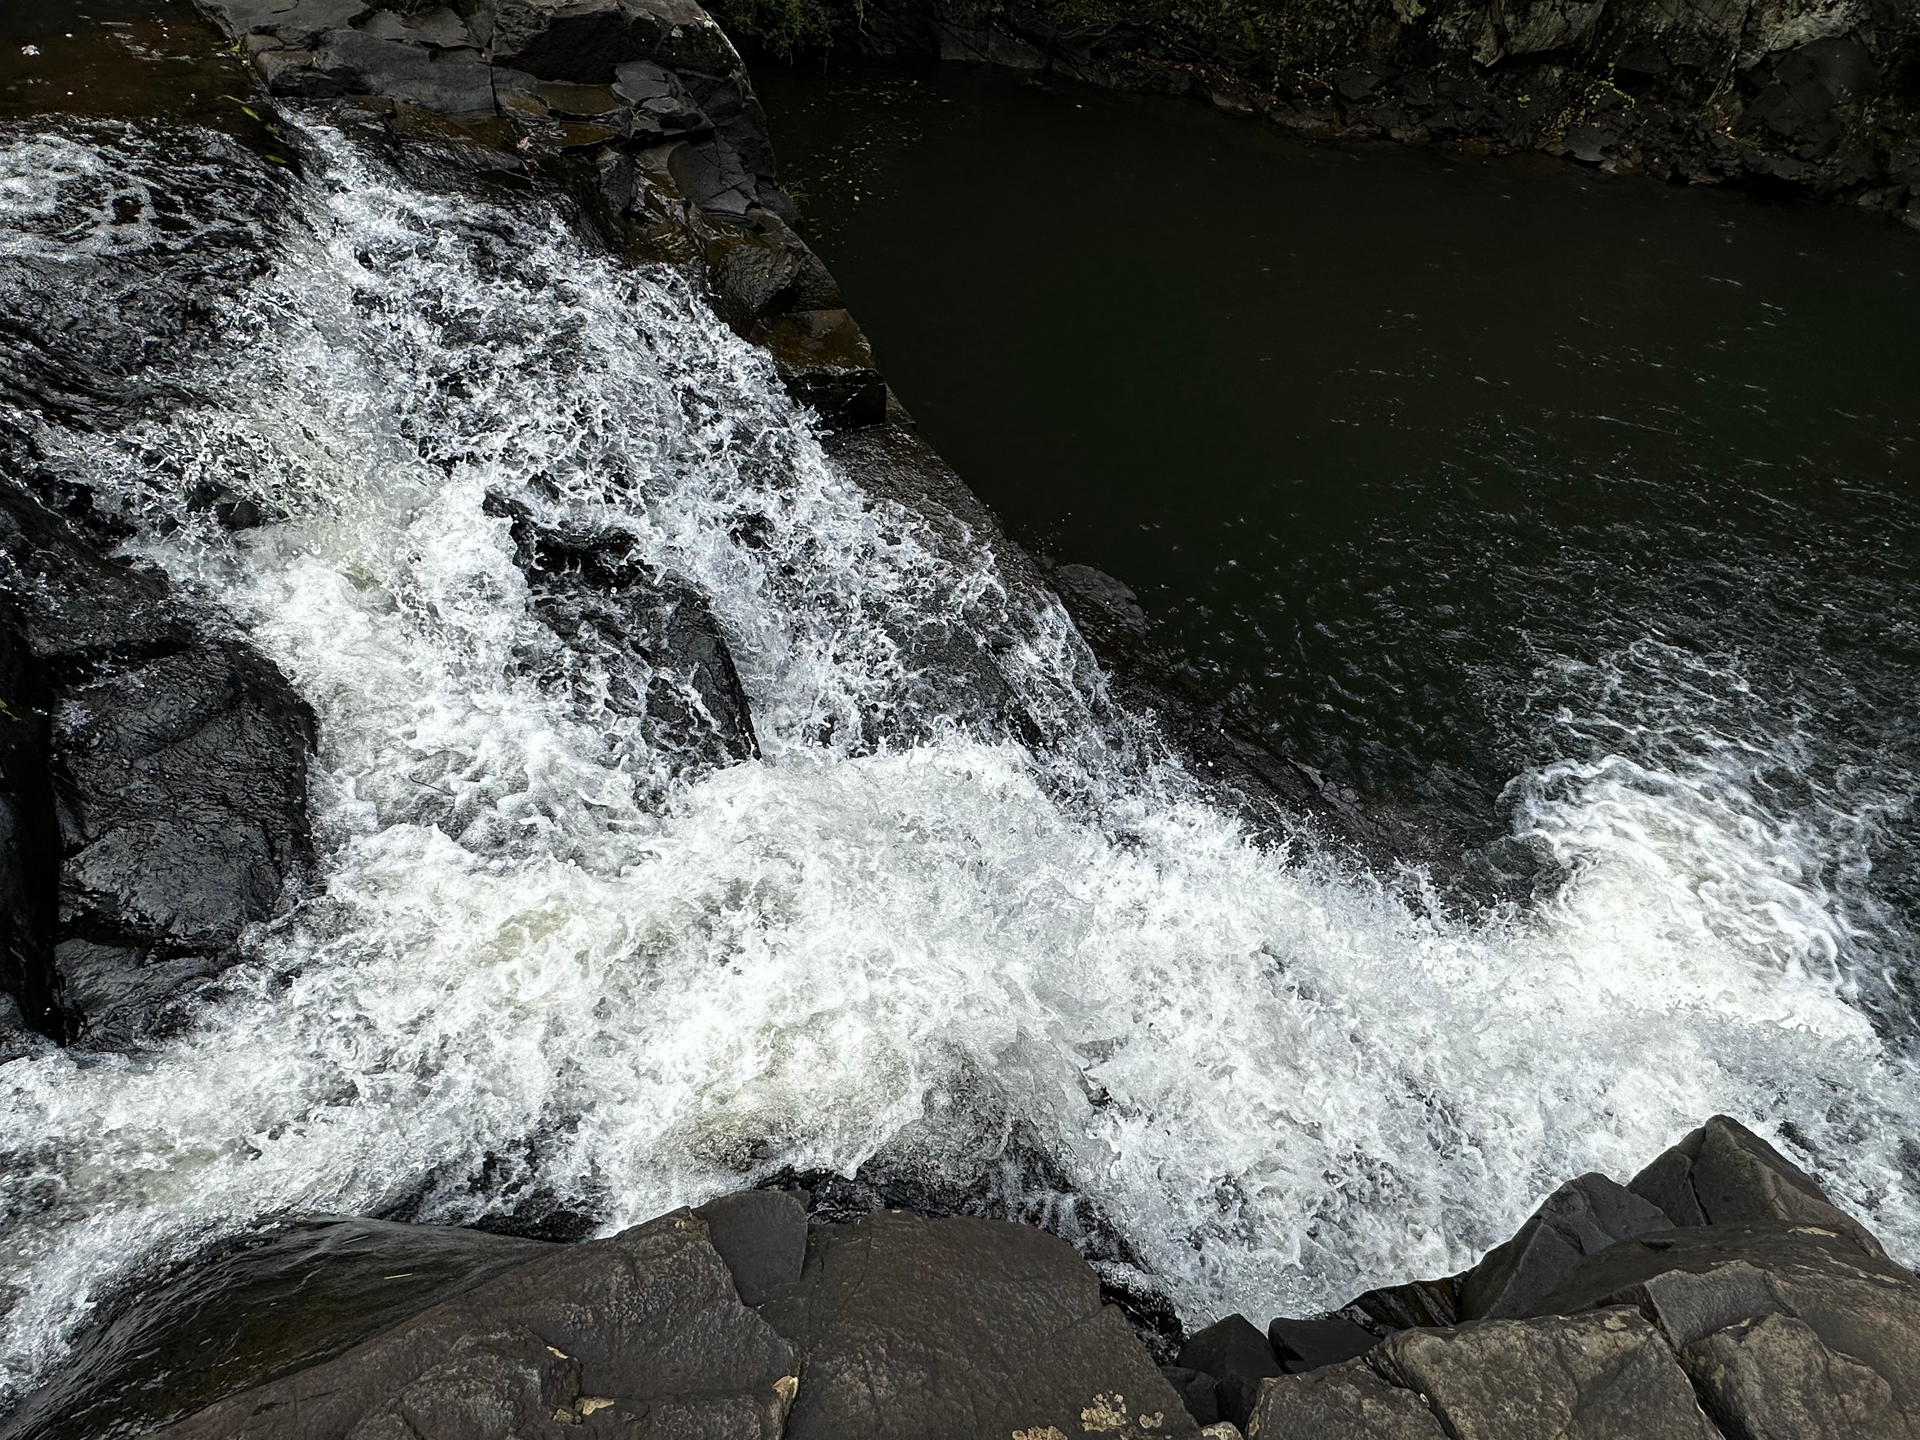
(548, 955)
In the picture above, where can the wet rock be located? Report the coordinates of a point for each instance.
(643, 1330)
(1723, 1173)
(452, 82)
(1581, 1218)
(714, 177)
(586, 40)
(769, 273)
(1197, 1390)
(1402, 1307)
(1303, 1345)
(177, 764)
(762, 1235)
(251, 1311)
(439, 27)
(1341, 1402)
(825, 364)
(962, 1328)
(297, 24)
(953, 659)
(637, 642)
(1238, 1357)
(1115, 601)
(1604, 1375)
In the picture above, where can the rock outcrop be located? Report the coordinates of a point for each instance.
(746, 1318)
(1823, 99)
(154, 789)
(1721, 1294)
(648, 98)
(736, 1320)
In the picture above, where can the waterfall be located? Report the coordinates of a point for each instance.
(558, 951)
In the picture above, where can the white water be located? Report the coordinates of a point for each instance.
(543, 940)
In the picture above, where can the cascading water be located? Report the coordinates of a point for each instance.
(550, 954)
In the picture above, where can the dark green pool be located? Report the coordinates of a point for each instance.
(1439, 466)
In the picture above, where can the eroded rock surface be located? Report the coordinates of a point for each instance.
(640, 1334)
(175, 761)
(1823, 99)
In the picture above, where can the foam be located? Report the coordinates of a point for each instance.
(635, 984)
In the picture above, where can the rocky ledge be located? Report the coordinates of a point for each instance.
(1718, 1294)
(1817, 98)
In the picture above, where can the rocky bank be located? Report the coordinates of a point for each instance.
(1717, 1294)
(1814, 97)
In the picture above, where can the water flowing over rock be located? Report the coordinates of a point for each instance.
(705, 799)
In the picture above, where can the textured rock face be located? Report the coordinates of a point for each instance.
(1822, 97)
(1604, 1375)
(740, 1319)
(652, 91)
(960, 1328)
(640, 1334)
(172, 767)
(730, 1321)
(1743, 1304)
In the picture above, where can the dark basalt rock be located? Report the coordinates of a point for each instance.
(1581, 1218)
(1238, 1358)
(641, 643)
(1724, 1173)
(1780, 1318)
(961, 1328)
(1303, 1345)
(1197, 1390)
(176, 761)
(1342, 1402)
(1603, 1375)
(249, 1312)
(762, 1235)
(640, 1334)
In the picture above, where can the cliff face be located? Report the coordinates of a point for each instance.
(1822, 96)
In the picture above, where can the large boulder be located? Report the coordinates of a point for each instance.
(176, 760)
(962, 1329)
(1581, 1218)
(640, 1334)
(1723, 1173)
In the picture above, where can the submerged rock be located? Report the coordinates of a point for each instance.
(636, 642)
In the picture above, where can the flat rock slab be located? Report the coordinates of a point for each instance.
(1605, 1375)
(963, 1329)
(643, 1334)
(1340, 1402)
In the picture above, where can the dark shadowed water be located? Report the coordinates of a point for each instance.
(1439, 467)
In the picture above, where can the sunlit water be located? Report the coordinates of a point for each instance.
(549, 953)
